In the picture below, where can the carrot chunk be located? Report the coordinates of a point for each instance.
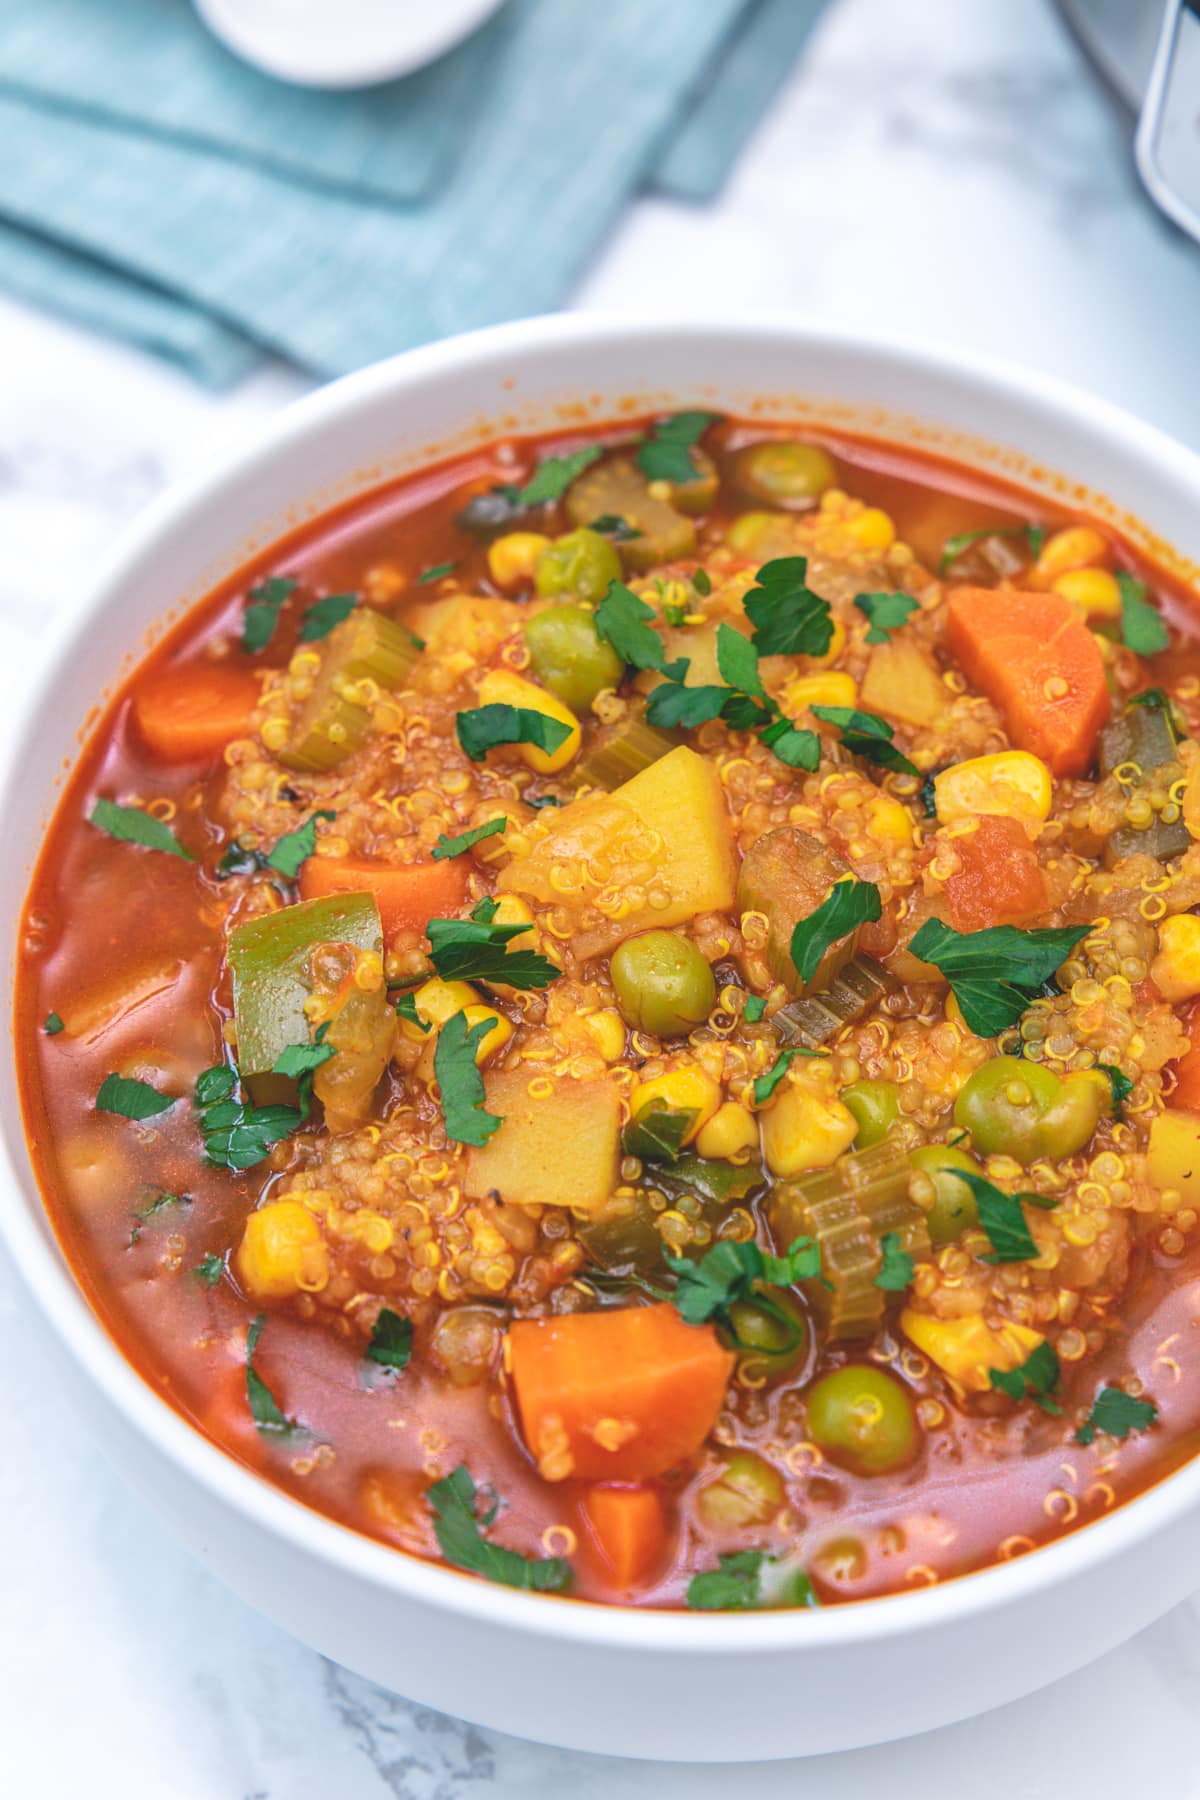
(1186, 1093)
(1000, 881)
(625, 1529)
(1036, 660)
(190, 713)
(621, 1395)
(408, 896)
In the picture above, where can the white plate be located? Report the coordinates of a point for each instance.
(342, 43)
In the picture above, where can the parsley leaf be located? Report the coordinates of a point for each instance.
(452, 1502)
(994, 973)
(731, 1272)
(1116, 1413)
(766, 1084)
(236, 1134)
(460, 1081)
(896, 1270)
(53, 1025)
(448, 847)
(436, 572)
(788, 618)
(657, 1132)
(209, 1270)
(130, 1098)
(1002, 1216)
(321, 617)
(886, 613)
(798, 748)
(1142, 627)
(475, 949)
(130, 825)
(300, 1062)
(849, 904)
(406, 1009)
(1034, 1380)
(702, 581)
(671, 704)
(611, 525)
(295, 847)
(744, 704)
(1121, 1087)
(391, 1340)
(554, 475)
(737, 659)
(265, 1410)
(953, 548)
(482, 728)
(620, 620)
(666, 454)
(733, 1586)
(754, 1009)
(262, 615)
(867, 735)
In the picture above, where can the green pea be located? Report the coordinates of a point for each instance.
(568, 657)
(748, 1491)
(772, 1339)
(948, 1204)
(582, 563)
(1024, 1110)
(790, 475)
(863, 1419)
(876, 1106)
(663, 984)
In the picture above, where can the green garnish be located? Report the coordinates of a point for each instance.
(460, 1081)
(265, 1410)
(537, 801)
(1116, 1413)
(886, 613)
(391, 1340)
(300, 1062)
(475, 949)
(867, 735)
(849, 904)
(321, 617)
(52, 1025)
(209, 1270)
(130, 825)
(1002, 1217)
(731, 1272)
(766, 1084)
(1121, 1087)
(295, 847)
(896, 1270)
(788, 618)
(159, 1202)
(406, 1009)
(994, 973)
(754, 1009)
(452, 1502)
(1142, 628)
(620, 620)
(666, 454)
(484, 727)
(658, 1132)
(612, 525)
(455, 846)
(262, 615)
(733, 1586)
(702, 581)
(953, 548)
(436, 572)
(1035, 1380)
(928, 796)
(236, 1134)
(744, 704)
(552, 477)
(674, 615)
(130, 1098)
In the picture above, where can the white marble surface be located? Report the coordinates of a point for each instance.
(942, 166)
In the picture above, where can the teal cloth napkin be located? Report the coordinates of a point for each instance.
(164, 192)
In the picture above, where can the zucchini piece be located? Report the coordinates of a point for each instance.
(848, 1209)
(617, 488)
(815, 1019)
(1145, 736)
(621, 751)
(786, 875)
(333, 722)
(726, 1183)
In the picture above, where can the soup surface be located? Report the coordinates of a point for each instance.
(620, 1014)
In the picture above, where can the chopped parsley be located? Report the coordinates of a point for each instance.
(1121, 1087)
(236, 1134)
(886, 613)
(475, 949)
(788, 618)
(406, 1009)
(157, 1203)
(896, 1270)
(391, 1340)
(666, 455)
(1116, 1414)
(731, 1272)
(436, 572)
(1035, 1380)
(954, 547)
(994, 973)
(657, 1132)
(460, 1082)
(928, 796)
(261, 616)
(1142, 627)
(702, 581)
(265, 1410)
(867, 735)
(300, 1062)
(209, 1270)
(1002, 1217)
(455, 846)
(611, 525)
(321, 617)
(52, 1025)
(849, 904)
(552, 477)
(462, 1543)
(733, 1586)
(131, 825)
(744, 704)
(754, 1009)
(766, 1084)
(482, 728)
(130, 1098)
(295, 847)
(621, 620)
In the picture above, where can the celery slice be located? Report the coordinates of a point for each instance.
(333, 723)
(621, 752)
(815, 1019)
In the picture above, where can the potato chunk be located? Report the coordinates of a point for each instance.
(558, 1149)
(902, 683)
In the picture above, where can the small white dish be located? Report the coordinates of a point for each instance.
(355, 43)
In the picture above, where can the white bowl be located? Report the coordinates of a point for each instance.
(356, 43)
(657, 1684)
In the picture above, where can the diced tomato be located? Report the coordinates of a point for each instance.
(1000, 881)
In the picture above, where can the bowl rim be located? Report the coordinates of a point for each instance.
(84, 1337)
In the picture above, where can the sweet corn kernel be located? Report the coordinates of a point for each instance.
(282, 1252)
(731, 1129)
(496, 1038)
(748, 530)
(1173, 1159)
(837, 644)
(831, 688)
(889, 823)
(967, 1348)
(436, 1001)
(802, 1130)
(512, 558)
(608, 1030)
(686, 1090)
(1076, 547)
(1094, 591)
(1175, 971)
(1012, 784)
(501, 687)
(871, 529)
